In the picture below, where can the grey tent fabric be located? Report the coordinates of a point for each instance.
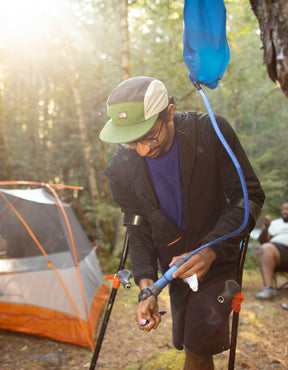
(44, 218)
(51, 282)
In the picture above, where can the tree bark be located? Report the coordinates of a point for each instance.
(272, 16)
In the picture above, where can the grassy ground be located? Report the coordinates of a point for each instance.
(262, 339)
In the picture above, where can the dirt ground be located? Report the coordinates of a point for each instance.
(262, 339)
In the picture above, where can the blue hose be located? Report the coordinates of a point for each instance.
(167, 277)
(238, 168)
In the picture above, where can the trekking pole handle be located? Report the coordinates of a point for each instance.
(230, 289)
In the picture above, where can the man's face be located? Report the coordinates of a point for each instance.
(284, 212)
(160, 141)
(157, 141)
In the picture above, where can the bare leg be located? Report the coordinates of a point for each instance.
(195, 362)
(269, 259)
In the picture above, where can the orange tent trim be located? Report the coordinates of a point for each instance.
(53, 324)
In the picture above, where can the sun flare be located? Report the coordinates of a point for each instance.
(26, 21)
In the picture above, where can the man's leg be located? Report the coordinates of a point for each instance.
(200, 322)
(269, 259)
(195, 362)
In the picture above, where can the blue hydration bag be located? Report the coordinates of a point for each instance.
(205, 47)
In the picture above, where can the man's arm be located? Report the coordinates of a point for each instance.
(141, 248)
(264, 236)
(143, 258)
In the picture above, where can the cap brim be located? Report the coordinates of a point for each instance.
(124, 134)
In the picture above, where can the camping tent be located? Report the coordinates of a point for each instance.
(51, 283)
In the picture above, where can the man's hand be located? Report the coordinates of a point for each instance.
(264, 236)
(148, 309)
(198, 264)
(267, 221)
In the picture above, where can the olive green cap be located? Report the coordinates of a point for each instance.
(133, 108)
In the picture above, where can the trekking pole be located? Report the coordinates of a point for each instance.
(235, 319)
(122, 276)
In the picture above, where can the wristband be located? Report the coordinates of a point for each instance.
(144, 294)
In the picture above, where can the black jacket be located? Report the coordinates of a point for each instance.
(211, 189)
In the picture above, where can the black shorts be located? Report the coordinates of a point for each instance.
(200, 322)
(283, 250)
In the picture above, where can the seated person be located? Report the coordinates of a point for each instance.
(273, 252)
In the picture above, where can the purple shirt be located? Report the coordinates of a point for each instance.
(166, 175)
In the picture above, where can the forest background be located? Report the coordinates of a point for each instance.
(59, 61)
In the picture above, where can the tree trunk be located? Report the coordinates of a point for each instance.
(273, 23)
(84, 136)
(125, 72)
(5, 164)
(125, 50)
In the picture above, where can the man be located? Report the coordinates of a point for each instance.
(273, 252)
(172, 173)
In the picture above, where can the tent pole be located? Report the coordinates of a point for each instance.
(109, 306)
